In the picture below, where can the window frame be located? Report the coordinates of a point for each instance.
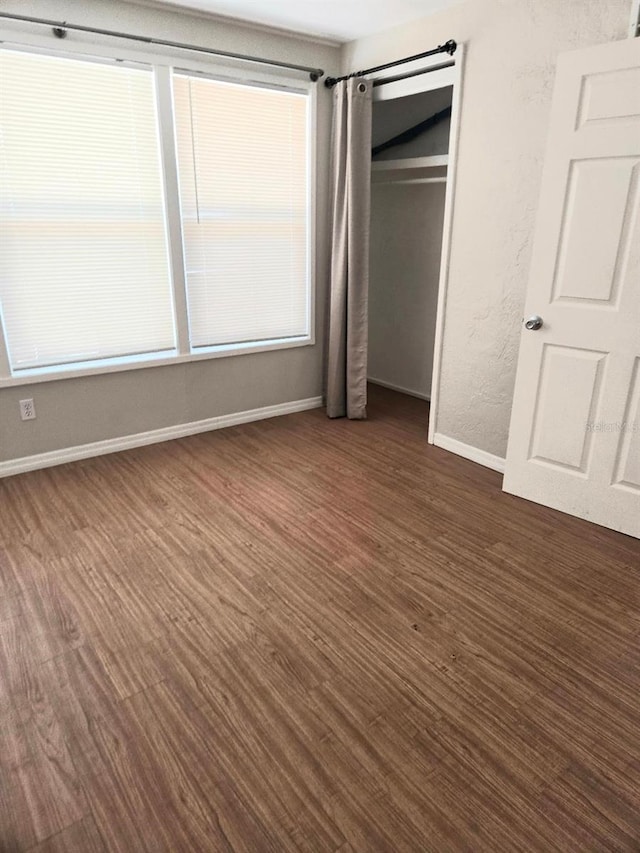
(163, 63)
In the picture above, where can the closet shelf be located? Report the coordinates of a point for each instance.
(436, 161)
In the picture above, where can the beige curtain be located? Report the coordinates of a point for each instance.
(351, 195)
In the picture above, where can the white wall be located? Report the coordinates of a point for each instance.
(512, 47)
(78, 411)
(406, 241)
(394, 116)
(406, 244)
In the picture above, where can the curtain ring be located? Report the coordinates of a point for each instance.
(362, 87)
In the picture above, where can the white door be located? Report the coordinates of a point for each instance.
(574, 441)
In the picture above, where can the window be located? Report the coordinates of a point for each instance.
(243, 191)
(84, 273)
(91, 276)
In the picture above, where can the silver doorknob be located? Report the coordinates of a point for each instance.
(533, 323)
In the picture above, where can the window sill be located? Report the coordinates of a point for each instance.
(57, 373)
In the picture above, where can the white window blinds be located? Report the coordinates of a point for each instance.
(83, 264)
(242, 159)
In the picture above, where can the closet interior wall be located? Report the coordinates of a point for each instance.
(407, 214)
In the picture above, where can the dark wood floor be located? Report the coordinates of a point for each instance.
(304, 635)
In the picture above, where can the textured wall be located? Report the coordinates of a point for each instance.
(512, 47)
(93, 408)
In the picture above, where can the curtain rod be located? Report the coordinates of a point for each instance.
(448, 47)
(60, 31)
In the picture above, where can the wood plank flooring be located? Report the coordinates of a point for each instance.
(305, 635)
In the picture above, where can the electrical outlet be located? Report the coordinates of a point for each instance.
(27, 410)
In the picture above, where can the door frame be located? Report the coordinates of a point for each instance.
(445, 255)
(438, 79)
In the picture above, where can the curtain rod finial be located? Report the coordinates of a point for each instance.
(450, 47)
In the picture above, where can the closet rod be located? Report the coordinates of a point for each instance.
(448, 47)
(440, 180)
(382, 81)
(60, 31)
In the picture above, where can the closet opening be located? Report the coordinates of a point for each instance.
(414, 133)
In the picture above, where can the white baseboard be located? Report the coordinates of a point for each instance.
(126, 442)
(469, 452)
(399, 388)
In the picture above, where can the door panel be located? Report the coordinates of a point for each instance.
(610, 95)
(627, 470)
(574, 441)
(570, 381)
(602, 194)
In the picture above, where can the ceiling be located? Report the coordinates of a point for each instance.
(338, 20)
